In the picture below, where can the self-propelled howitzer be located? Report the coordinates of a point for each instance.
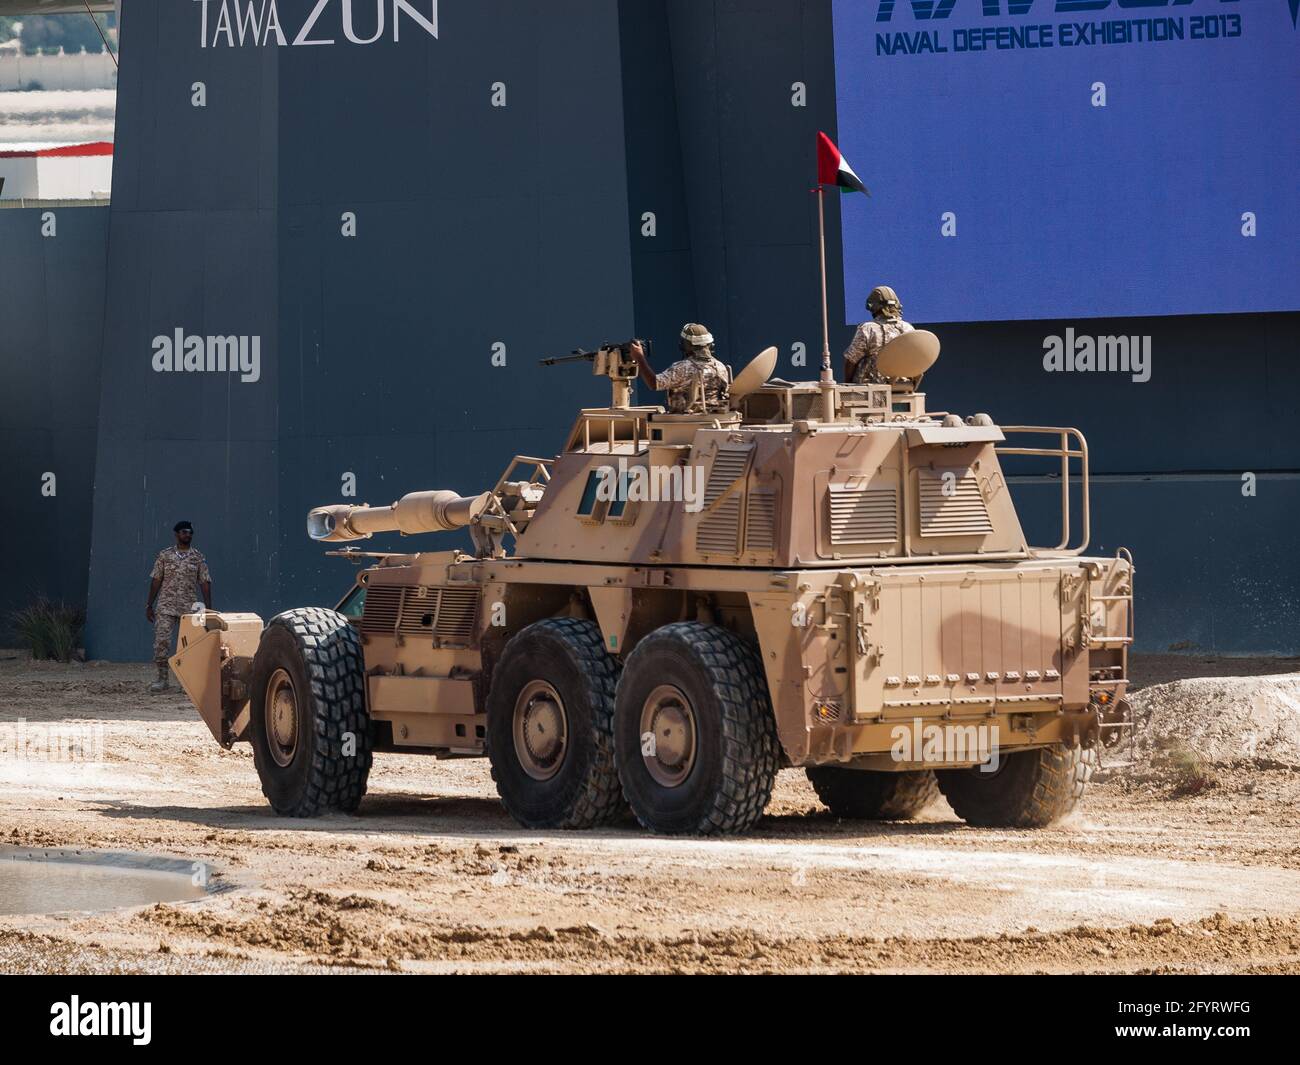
(677, 605)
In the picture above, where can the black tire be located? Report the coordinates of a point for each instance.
(319, 654)
(733, 750)
(869, 795)
(582, 788)
(1031, 789)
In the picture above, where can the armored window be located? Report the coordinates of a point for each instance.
(618, 504)
(590, 495)
(622, 508)
(596, 504)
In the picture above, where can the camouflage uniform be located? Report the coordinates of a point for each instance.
(680, 380)
(181, 572)
(867, 342)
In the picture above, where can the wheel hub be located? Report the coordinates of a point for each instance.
(281, 718)
(540, 730)
(668, 736)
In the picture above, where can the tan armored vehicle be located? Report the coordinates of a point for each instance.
(678, 605)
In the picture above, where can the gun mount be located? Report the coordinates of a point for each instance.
(614, 361)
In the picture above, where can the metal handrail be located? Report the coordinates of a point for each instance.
(541, 471)
(1065, 453)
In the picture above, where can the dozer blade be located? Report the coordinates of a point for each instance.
(214, 662)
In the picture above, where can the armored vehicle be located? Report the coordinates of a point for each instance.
(676, 606)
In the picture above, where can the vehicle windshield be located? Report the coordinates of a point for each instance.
(353, 603)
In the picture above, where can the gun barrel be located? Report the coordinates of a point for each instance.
(419, 512)
(577, 356)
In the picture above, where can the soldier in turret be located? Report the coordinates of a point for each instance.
(886, 324)
(696, 384)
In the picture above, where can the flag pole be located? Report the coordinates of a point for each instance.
(828, 375)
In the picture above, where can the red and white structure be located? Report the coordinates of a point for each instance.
(56, 171)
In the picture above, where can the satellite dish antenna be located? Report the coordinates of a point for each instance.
(908, 356)
(755, 375)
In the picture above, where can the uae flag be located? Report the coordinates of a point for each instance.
(832, 169)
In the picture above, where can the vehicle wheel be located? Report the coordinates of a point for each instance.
(1030, 789)
(550, 726)
(694, 732)
(310, 729)
(869, 795)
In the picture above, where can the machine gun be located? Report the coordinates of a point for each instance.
(614, 361)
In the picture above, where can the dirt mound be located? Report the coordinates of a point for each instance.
(1221, 720)
(365, 932)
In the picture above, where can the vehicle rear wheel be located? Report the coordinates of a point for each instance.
(310, 729)
(868, 795)
(1030, 789)
(550, 726)
(694, 732)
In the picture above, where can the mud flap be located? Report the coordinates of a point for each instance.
(213, 662)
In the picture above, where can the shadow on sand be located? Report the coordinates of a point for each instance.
(473, 817)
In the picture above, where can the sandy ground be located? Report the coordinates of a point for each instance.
(432, 875)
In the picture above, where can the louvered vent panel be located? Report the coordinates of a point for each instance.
(383, 603)
(961, 512)
(457, 612)
(419, 605)
(719, 532)
(760, 521)
(863, 515)
(445, 614)
(729, 465)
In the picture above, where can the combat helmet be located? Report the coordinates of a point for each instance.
(696, 340)
(884, 303)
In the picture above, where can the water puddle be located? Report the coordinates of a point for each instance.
(55, 881)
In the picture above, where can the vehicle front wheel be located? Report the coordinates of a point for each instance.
(310, 729)
(694, 732)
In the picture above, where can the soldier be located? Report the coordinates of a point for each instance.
(177, 572)
(697, 384)
(886, 324)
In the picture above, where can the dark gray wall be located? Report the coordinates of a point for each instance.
(192, 245)
(523, 226)
(51, 320)
(475, 226)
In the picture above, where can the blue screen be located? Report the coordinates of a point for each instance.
(1071, 158)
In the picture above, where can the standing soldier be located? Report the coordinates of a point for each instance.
(697, 384)
(886, 324)
(177, 573)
